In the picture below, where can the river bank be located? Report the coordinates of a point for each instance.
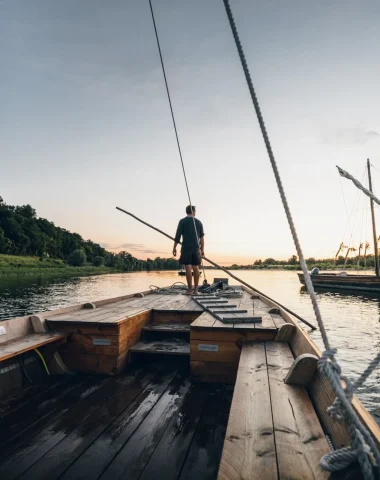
(19, 265)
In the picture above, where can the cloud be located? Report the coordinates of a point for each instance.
(134, 247)
(351, 136)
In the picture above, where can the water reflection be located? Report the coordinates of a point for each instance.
(352, 319)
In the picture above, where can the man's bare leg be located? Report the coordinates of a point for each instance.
(196, 278)
(189, 278)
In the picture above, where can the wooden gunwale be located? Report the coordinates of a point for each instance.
(320, 390)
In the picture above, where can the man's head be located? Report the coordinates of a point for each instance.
(190, 209)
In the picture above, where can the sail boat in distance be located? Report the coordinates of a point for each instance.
(345, 280)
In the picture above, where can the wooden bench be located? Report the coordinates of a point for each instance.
(273, 431)
(19, 345)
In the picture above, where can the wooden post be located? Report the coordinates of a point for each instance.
(373, 221)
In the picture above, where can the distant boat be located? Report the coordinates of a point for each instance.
(369, 283)
(348, 281)
(182, 273)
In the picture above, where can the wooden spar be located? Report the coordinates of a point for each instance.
(224, 270)
(373, 221)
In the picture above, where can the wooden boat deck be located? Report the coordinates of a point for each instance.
(133, 426)
(166, 409)
(117, 312)
(102, 339)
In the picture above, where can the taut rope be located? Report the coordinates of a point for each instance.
(362, 442)
(175, 129)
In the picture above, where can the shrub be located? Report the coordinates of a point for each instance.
(98, 261)
(77, 258)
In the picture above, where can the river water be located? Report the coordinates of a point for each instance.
(352, 320)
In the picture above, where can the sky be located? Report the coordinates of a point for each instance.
(85, 124)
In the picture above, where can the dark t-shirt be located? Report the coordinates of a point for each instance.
(186, 230)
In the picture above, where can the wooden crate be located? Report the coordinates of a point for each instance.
(101, 347)
(215, 352)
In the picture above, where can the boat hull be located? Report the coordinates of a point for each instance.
(368, 283)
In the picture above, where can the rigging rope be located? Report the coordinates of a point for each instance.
(362, 442)
(369, 194)
(349, 215)
(175, 127)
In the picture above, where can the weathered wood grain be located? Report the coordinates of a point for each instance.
(213, 372)
(249, 450)
(320, 389)
(28, 342)
(226, 352)
(300, 441)
(302, 370)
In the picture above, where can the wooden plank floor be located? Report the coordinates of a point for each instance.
(148, 420)
(114, 313)
(254, 307)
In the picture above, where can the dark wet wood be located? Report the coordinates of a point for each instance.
(164, 348)
(131, 460)
(24, 422)
(131, 426)
(176, 441)
(204, 455)
(59, 458)
(101, 453)
(171, 328)
(26, 454)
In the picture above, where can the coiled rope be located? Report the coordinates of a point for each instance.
(362, 443)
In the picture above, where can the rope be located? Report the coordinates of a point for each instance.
(362, 442)
(228, 292)
(176, 289)
(175, 129)
(369, 194)
(280, 187)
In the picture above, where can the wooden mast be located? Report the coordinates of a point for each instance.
(373, 221)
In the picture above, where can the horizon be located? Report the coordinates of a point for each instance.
(86, 125)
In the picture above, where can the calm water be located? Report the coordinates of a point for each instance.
(352, 321)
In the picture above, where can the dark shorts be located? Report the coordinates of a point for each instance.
(190, 258)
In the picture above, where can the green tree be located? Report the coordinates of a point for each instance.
(269, 261)
(77, 258)
(98, 261)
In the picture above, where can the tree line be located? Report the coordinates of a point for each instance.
(292, 263)
(23, 233)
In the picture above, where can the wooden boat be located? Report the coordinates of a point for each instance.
(344, 280)
(158, 384)
(182, 273)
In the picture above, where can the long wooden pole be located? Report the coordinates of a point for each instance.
(224, 270)
(373, 221)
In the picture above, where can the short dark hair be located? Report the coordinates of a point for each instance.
(188, 209)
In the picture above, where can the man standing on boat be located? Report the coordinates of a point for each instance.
(191, 230)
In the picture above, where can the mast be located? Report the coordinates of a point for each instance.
(373, 221)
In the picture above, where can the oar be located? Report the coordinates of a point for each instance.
(224, 270)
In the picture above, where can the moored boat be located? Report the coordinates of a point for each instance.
(344, 281)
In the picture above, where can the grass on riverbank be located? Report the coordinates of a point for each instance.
(18, 265)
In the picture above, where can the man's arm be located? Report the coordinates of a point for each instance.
(202, 240)
(203, 246)
(177, 238)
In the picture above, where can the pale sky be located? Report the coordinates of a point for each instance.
(85, 123)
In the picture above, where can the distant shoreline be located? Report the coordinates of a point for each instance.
(13, 265)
